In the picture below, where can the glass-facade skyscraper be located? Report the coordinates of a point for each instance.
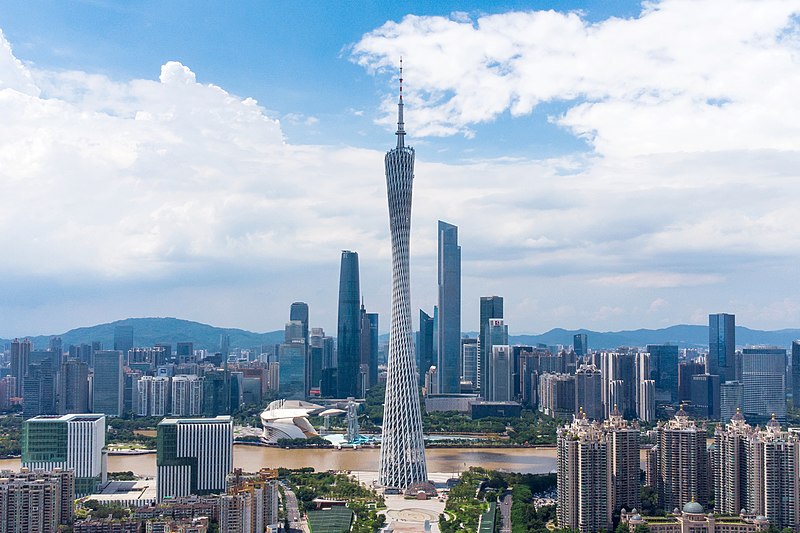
(402, 449)
(348, 333)
(721, 358)
(424, 345)
(491, 307)
(449, 333)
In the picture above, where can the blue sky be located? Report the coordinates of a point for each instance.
(609, 165)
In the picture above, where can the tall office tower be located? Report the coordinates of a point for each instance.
(469, 361)
(721, 359)
(73, 441)
(187, 395)
(216, 393)
(449, 333)
(374, 342)
(292, 357)
(236, 390)
(86, 354)
(56, 345)
(682, 463)
(764, 382)
(584, 490)
(20, 350)
(315, 356)
(36, 502)
(705, 396)
(580, 344)
(664, 371)
(123, 338)
(796, 373)
(39, 396)
(729, 465)
(622, 367)
(774, 471)
(589, 392)
(224, 345)
(491, 307)
(496, 335)
(402, 450)
(349, 327)
(107, 385)
(686, 371)
(731, 395)
(425, 337)
(153, 396)
(625, 462)
(184, 352)
(194, 456)
(293, 332)
(502, 366)
(299, 311)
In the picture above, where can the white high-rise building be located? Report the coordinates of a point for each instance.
(153, 396)
(74, 441)
(402, 449)
(194, 456)
(187, 395)
(646, 406)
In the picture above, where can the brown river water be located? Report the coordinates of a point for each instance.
(442, 460)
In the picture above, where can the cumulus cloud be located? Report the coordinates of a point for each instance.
(681, 76)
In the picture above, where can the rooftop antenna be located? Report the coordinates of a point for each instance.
(400, 126)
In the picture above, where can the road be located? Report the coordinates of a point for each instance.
(505, 513)
(296, 523)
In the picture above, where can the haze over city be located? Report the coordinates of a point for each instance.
(610, 165)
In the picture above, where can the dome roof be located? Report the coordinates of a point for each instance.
(693, 507)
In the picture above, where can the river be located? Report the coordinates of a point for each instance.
(443, 460)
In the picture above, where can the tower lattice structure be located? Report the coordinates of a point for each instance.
(402, 447)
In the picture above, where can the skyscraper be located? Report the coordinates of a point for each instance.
(584, 488)
(348, 333)
(194, 456)
(299, 311)
(491, 307)
(107, 385)
(424, 345)
(73, 441)
(796, 373)
(123, 338)
(721, 358)
(449, 333)
(682, 463)
(580, 344)
(469, 360)
(664, 370)
(764, 382)
(20, 350)
(589, 392)
(402, 449)
(496, 334)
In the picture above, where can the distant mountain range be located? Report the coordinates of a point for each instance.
(149, 331)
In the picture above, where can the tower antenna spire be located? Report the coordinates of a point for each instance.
(400, 125)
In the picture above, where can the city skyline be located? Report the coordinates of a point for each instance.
(640, 178)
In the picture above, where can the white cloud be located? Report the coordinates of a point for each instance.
(683, 76)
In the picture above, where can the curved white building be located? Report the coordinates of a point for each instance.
(402, 447)
(288, 419)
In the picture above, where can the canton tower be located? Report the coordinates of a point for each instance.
(402, 447)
